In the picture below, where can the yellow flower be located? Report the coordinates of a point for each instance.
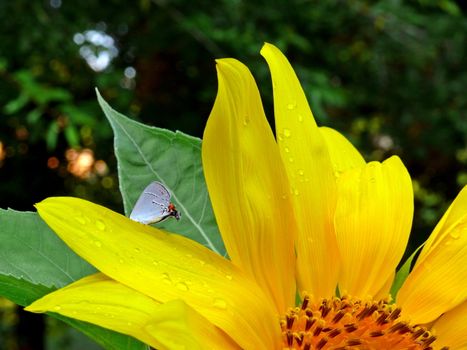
(304, 214)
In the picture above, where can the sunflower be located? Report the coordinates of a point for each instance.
(303, 215)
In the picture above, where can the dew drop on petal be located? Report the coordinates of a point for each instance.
(286, 149)
(166, 278)
(137, 250)
(97, 243)
(182, 286)
(80, 219)
(229, 277)
(301, 172)
(455, 235)
(57, 308)
(100, 225)
(286, 132)
(300, 118)
(291, 106)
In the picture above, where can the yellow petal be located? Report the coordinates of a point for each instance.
(311, 177)
(178, 326)
(165, 267)
(344, 156)
(383, 293)
(451, 329)
(373, 220)
(102, 301)
(248, 185)
(438, 281)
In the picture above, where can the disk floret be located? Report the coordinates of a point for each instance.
(349, 323)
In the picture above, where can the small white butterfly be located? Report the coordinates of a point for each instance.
(153, 205)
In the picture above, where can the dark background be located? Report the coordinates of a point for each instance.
(391, 75)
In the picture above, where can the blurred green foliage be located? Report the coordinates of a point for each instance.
(388, 74)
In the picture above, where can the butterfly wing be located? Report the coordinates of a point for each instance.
(152, 205)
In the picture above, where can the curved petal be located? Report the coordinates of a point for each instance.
(102, 301)
(344, 156)
(438, 281)
(373, 220)
(165, 267)
(311, 177)
(451, 329)
(248, 185)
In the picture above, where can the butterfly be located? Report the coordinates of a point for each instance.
(153, 205)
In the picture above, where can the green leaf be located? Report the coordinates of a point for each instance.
(403, 272)
(34, 262)
(51, 137)
(147, 154)
(71, 135)
(17, 104)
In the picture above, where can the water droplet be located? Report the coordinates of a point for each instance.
(291, 159)
(121, 261)
(286, 132)
(137, 250)
(220, 303)
(300, 118)
(246, 121)
(291, 106)
(56, 308)
(166, 278)
(301, 172)
(97, 243)
(286, 149)
(129, 324)
(155, 262)
(229, 277)
(100, 225)
(295, 192)
(284, 196)
(182, 286)
(455, 235)
(81, 219)
(202, 262)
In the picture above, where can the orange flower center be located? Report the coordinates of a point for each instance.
(351, 324)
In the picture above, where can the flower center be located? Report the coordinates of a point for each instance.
(346, 323)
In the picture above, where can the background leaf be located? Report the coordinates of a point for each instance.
(34, 261)
(147, 154)
(403, 272)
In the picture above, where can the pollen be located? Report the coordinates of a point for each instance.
(351, 324)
